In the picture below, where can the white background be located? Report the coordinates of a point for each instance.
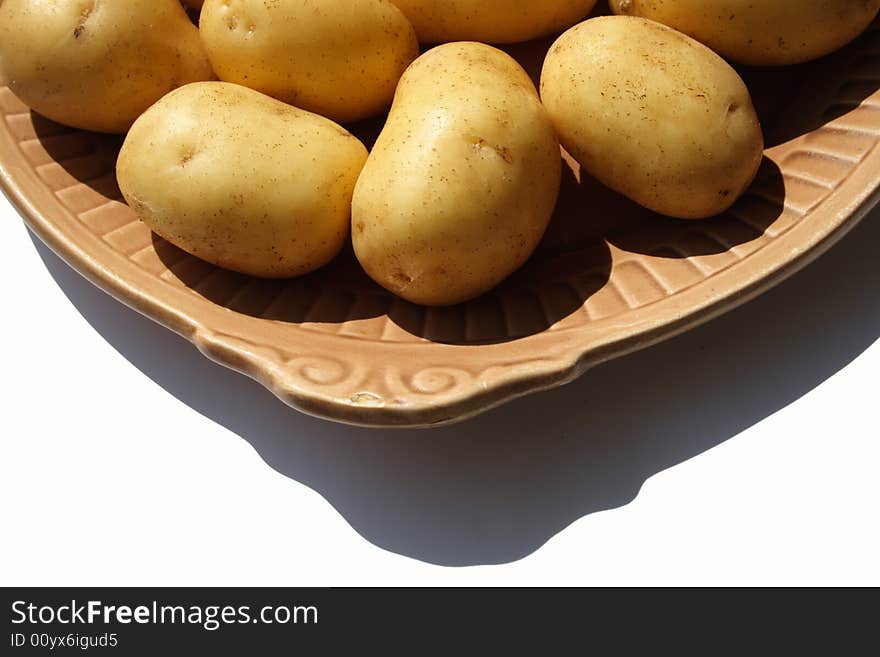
(746, 452)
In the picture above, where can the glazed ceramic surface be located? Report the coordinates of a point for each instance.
(609, 278)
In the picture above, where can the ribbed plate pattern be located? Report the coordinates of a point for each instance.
(609, 277)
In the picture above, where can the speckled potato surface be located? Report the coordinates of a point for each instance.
(241, 180)
(769, 32)
(94, 64)
(653, 114)
(492, 21)
(339, 59)
(461, 183)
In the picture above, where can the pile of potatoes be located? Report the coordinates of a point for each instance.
(235, 152)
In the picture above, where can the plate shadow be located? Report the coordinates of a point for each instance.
(495, 489)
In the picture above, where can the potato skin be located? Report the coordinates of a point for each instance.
(339, 59)
(766, 33)
(463, 180)
(97, 65)
(653, 114)
(492, 21)
(242, 180)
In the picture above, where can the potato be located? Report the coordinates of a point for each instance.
(461, 183)
(242, 180)
(97, 65)
(492, 21)
(653, 114)
(771, 32)
(340, 59)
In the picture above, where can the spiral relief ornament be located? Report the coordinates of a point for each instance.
(321, 370)
(438, 380)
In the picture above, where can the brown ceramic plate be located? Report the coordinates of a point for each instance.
(610, 277)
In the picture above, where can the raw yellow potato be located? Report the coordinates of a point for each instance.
(95, 64)
(653, 114)
(765, 32)
(340, 59)
(242, 180)
(492, 21)
(461, 184)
